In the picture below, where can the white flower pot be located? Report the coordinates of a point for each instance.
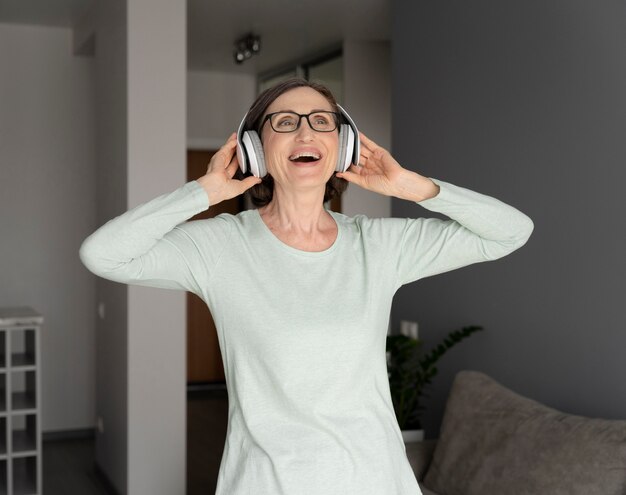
(412, 435)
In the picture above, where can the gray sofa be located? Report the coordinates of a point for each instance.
(494, 441)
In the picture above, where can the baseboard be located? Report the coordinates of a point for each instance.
(68, 434)
(195, 387)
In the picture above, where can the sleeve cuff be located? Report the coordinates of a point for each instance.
(440, 198)
(198, 194)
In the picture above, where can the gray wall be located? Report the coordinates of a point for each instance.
(372, 115)
(216, 102)
(47, 154)
(523, 101)
(111, 199)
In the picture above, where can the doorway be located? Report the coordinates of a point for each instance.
(205, 368)
(207, 397)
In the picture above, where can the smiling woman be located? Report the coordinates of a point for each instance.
(301, 295)
(271, 100)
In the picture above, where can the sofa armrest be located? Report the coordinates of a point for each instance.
(420, 454)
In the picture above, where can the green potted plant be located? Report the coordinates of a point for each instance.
(409, 374)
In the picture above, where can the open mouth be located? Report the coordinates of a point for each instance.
(305, 158)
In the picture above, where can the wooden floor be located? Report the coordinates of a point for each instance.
(68, 464)
(68, 468)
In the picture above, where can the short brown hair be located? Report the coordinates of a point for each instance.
(262, 193)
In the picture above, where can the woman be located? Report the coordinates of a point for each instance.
(301, 295)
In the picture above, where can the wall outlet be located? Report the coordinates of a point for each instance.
(101, 310)
(409, 328)
(100, 424)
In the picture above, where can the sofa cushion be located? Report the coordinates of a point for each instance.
(494, 441)
(420, 454)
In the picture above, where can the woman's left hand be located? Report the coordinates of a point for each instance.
(381, 173)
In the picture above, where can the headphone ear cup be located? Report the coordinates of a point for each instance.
(254, 150)
(346, 148)
(353, 142)
(341, 154)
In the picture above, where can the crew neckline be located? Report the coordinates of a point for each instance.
(309, 254)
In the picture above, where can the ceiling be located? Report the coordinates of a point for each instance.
(290, 30)
(61, 13)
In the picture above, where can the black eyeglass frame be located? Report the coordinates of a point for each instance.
(337, 119)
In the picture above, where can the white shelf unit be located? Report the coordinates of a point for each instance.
(20, 402)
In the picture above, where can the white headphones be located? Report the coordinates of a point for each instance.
(250, 149)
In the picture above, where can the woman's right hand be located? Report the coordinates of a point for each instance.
(218, 181)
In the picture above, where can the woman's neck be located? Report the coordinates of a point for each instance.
(297, 213)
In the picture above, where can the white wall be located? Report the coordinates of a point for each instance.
(367, 97)
(56, 187)
(47, 206)
(216, 103)
(157, 359)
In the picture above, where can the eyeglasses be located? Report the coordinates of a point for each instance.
(290, 121)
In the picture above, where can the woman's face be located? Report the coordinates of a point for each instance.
(280, 147)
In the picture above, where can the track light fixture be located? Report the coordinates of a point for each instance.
(246, 47)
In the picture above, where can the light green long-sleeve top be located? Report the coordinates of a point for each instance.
(302, 334)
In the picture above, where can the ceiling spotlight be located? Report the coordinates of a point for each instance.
(246, 47)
